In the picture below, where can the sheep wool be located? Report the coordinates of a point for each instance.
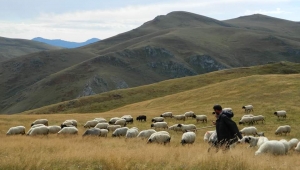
(188, 138)
(16, 130)
(273, 147)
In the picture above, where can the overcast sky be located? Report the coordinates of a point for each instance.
(79, 20)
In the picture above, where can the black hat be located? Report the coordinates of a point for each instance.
(217, 107)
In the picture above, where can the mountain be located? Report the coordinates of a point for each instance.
(179, 44)
(11, 48)
(65, 44)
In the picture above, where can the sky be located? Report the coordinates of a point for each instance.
(80, 20)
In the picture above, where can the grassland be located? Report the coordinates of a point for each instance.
(267, 93)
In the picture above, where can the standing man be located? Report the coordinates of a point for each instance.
(227, 130)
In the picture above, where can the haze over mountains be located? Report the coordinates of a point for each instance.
(65, 44)
(176, 45)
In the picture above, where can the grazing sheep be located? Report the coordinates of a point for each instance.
(175, 128)
(273, 147)
(160, 137)
(128, 118)
(158, 119)
(92, 132)
(70, 122)
(16, 130)
(103, 132)
(188, 138)
(254, 141)
(189, 114)
(66, 123)
(113, 120)
(34, 126)
(159, 125)
(293, 143)
(280, 113)
(179, 117)
(200, 118)
(132, 132)
(297, 147)
(102, 125)
(283, 129)
(245, 120)
(146, 133)
(101, 120)
(258, 118)
(112, 128)
(68, 130)
(40, 121)
(41, 130)
(286, 145)
(248, 108)
(121, 122)
(207, 135)
(120, 132)
(249, 131)
(141, 118)
(166, 114)
(186, 128)
(54, 129)
(90, 123)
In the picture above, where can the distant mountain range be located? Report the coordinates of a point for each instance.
(65, 44)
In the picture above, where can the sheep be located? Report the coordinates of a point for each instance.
(249, 131)
(260, 134)
(102, 125)
(245, 120)
(189, 127)
(160, 137)
(90, 123)
(146, 133)
(92, 132)
(258, 118)
(113, 127)
(40, 121)
(16, 130)
(158, 119)
(132, 132)
(200, 118)
(70, 122)
(120, 132)
(128, 118)
(101, 120)
(175, 128)
(280, 113)
(248, 108)
(66, 123)
(273, 146)
(54, 129)
(121, 122)
(103, 132)
(297, 147)
(188, 138)
(283, 129)
(166, 114)
(207, 135)
(189, 114)
(34, 126)
(113, 120)
(141, 118)
(179, 117)
(293, 143)
(159, 125)
(68, 130)
(41, 130)
(286, 145)
(254, 141)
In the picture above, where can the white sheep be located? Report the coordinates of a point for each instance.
(101, 120)
(207, 135)
(112, 128)
(92, 132)
(188, 138)
(286, 145)
(202, 118)
(273, 147)
(128, 118)
(248, 108)
(293, 143)
(186, 128)
(54, 129)
(146, 133)
(249, 131)
(283, 129)
(70, 122)
(34, 126)
(90, 123)
(68, 131)
(258, 118)
(297, 147)
(166, 114)
(113, 120)
(280, 113)
(40, 121)
(174, 128)
(158, 119)
(160, 137)
(120, 132)
(103, 132)
(254, 141)
(132, 132)
(16, 130)
(102, 125)
(41, 130)
(121, 122)
(179, 117)
(163, 125)
(245, 120)
(189, 114)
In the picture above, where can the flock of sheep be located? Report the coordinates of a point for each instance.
(117, 126)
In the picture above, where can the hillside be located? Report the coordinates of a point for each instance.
(175, 45)
(11, 48)
(65, 44)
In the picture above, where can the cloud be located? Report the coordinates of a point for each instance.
(266, 12)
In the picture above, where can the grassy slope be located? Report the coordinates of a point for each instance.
(114, 99)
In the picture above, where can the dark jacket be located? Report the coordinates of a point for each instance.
(226, 129)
